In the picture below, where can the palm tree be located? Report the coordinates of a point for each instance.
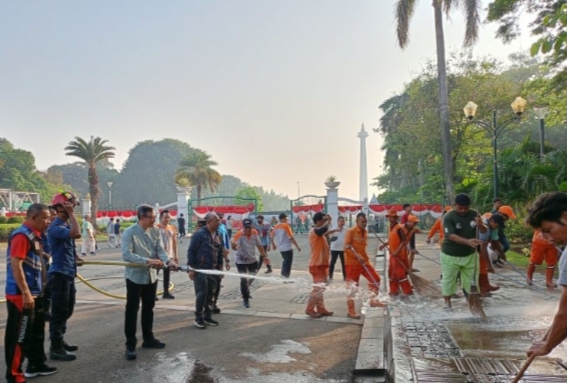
(404, 12)
(92, 152)
(196, 170)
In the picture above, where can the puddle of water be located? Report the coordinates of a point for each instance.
(506, 339)
(279, 352)
(201, 374)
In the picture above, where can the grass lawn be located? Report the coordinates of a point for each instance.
(517, 259)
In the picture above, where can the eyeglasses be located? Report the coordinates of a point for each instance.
(151, 217)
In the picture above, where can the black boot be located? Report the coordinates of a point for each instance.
(269, 269)
(70, 347)
(57, 352)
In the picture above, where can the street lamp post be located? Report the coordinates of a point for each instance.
(109, 183)
(541, 112)
(494, 130)
(298, 193)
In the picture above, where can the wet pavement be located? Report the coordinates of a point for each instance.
(272, 342)
(434, 345)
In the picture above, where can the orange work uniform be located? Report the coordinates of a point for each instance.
(542, 250)
(320, 259)
(398, 265)
(437, 228)
(358, 239)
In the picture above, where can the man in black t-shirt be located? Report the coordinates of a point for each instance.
(458, 258)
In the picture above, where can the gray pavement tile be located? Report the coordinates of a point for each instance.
(272, 315)
(371, 345)
(369, 361)
(374, 322)
(372, 333)
(344, 320)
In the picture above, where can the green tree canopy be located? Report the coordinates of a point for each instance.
(196, 169)
(92, 152)
(19, 173)
(249, 192)
(148, 173)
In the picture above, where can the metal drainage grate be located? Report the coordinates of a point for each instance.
(487, 366)
(480, 370)
(235, 293)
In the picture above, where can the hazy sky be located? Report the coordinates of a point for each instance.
(274, 90)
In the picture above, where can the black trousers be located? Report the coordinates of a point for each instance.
(246, 268)
(286, 264)
(261, 262)
(62, 292)
(134, 294)
(205, 286)
(166, 274)
(334, 255)
(24, 337)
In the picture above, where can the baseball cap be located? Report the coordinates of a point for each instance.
(463, 200)
(282, 216)
(392, 213)
(413, 218)
(247, 222)
(508, 211)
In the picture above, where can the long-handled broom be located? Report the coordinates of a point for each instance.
(422, 285)
(475, 304)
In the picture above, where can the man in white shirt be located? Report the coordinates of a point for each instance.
(88, 237)
(337, 247)
(168, 235)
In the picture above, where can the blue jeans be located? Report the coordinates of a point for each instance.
(62, 292)
(505, 244)
(286, 264)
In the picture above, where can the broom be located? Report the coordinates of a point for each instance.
(475, 304)
(421, 285)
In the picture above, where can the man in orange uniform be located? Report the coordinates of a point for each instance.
(542, 250)
(319, 265)
(438, 227)
(357, 264)
(398, 265)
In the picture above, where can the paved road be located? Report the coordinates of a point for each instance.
(273, 341)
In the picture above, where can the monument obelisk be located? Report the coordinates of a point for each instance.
(363, 180)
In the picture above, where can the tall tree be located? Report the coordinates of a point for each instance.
(197, 170)
(92, 152)
(246, 193)
(405, 9)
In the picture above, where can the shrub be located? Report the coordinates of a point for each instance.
(517, 231)
(15, 220)
(6, 229)
(3, 219)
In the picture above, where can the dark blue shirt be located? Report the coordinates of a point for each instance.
(62, 248)
(117, 228)
(205, 250)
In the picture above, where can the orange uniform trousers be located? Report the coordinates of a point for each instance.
(541, 252)
(353, 273)
(319, 273)
(398, 275)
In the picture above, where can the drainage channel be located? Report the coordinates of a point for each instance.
(482, 370)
